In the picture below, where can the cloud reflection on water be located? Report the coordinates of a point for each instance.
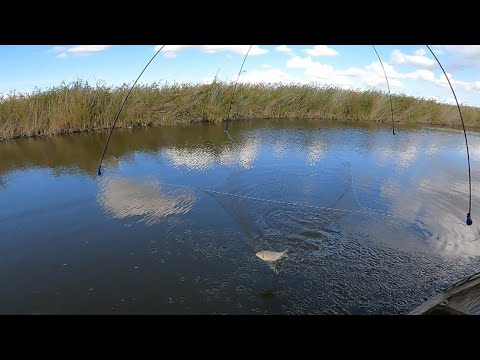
(122, 198)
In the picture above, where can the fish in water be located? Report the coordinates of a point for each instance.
(270, 256)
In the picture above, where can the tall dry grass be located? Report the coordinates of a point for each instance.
(80, 106)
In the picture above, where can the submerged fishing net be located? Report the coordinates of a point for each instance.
(278, 210)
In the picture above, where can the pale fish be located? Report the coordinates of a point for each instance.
(270, 256)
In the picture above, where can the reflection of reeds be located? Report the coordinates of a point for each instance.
(79, 106)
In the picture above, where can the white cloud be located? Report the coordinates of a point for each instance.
(170, 55)
(57, 49)
(468, 50)
(321, 50)
(425, 75)
(64, 51)
(442, 81)
(313, 69)
(419, 59)
(463, 55)
(373, 75)
(237, 49)
(357, 78)
(86, 49)
(420, 52)
(284, 49)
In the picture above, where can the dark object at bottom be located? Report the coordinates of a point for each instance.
(462, 298)
(469, 219)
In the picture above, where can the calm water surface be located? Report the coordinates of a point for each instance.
(372, 223)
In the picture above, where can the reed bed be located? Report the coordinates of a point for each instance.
(80, 106)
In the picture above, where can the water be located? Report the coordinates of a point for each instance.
(373, 223)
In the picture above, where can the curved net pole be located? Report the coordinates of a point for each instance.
(469, 217)
(99, 171)
(233, 93)
(388, 85)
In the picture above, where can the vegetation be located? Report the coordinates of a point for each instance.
(79, 106)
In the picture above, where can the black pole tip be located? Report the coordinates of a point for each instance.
(469, 219)
(99, 172)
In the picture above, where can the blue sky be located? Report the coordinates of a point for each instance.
(411, 69)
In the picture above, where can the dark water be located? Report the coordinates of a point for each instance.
(372, 223)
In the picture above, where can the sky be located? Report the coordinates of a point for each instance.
(410, 69)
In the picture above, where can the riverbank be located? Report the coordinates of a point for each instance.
(79, 106)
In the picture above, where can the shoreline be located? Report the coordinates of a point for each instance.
(319, 120)
(79, 107)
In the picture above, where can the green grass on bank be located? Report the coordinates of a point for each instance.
(79, 106)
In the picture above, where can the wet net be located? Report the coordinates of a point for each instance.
(298, 212)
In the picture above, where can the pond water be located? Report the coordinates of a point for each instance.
(372, 223)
